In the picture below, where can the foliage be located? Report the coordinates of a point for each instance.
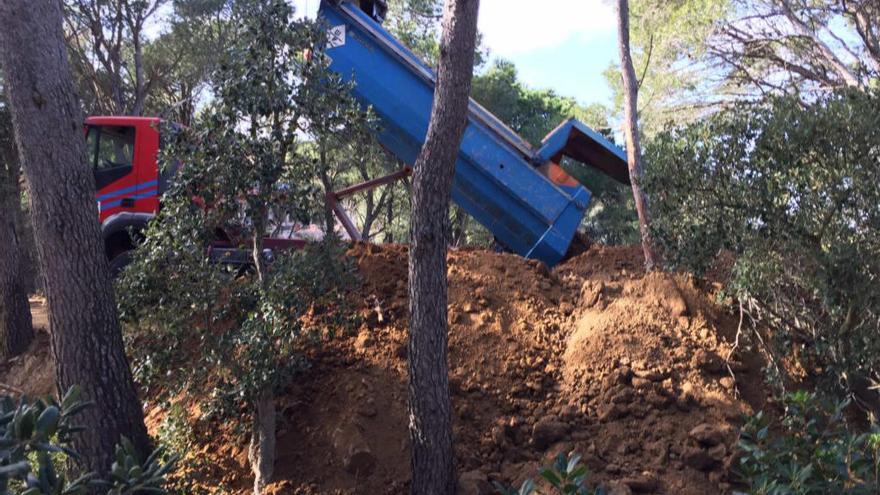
(35, 435)
(532, 113)
(668, 41)
(106, 42)
(416, 23)
(791, 190)
(566, 476)
(251, 178)
(797, 47)
(813, 451)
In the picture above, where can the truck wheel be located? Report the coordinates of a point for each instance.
(119, 262)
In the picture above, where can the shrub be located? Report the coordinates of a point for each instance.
(34, 440)
(812, 451)
(566, 476)
(791, 189)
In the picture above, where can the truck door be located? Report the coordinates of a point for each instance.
(111, 154)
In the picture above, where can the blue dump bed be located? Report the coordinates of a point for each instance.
(497, 179)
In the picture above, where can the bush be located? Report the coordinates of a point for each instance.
(566, 476)
(812, 451)
(34, 439)
(791, 189)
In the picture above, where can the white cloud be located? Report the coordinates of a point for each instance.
(512, 27)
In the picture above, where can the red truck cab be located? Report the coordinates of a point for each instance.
(123, 153)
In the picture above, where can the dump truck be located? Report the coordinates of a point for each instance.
(518, 192)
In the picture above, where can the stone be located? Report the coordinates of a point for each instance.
(651, 375)
(352, 448)
(368, 408)
(610, 412)
(727, 382)
(708, 362)
(474, 483)
(618, 488)
(500, 434)
(546, 432)
(718, 452)
(643, 483)
(625, 396)
(566, 308)
(697, 458)
(658, 400)
(364, 341)
(707, 435)
(641, 383)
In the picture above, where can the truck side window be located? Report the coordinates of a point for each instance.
(115, 147)
(92, 145)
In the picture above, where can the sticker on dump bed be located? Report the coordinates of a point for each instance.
(336, 36)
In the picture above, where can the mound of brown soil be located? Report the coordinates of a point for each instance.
(629, 369)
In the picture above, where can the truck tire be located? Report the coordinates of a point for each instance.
(119, 262)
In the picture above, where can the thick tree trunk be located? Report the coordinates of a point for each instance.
(430, 428)
(16, 326)
(631, 130)
(86, 338)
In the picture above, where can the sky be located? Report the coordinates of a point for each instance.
(563, 45)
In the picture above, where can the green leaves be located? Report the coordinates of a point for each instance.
(33, 440)
(790, 191)
(253, 177)
(566, 476)
(812, 451)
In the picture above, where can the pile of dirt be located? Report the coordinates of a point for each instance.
(629, 369)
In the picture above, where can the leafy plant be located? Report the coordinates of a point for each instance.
(204, 280)
(566, 476)
(790, 190)
(34, 439)
(812, 451)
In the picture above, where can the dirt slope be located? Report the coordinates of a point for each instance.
(33, 372)
(595, 356)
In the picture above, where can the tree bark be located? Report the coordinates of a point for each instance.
(261, 452)
(631, 130)
(86, 339)
(16, 326)
(430, 427)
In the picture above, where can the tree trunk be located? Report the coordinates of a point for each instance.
(389, 215)
(327, 184)
(86, 337)
(430, 428)
(261, 452)
(631, 130)
(16, 326)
